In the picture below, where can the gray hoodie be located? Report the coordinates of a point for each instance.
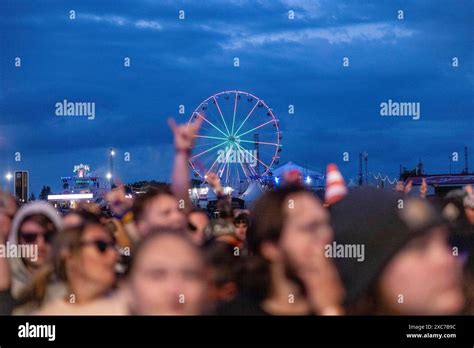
(20, 275)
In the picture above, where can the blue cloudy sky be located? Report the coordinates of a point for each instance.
(173, 62)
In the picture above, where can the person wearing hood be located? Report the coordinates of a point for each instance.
(407, 267)
(32, 228)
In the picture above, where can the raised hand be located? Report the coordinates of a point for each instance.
(423, 188)
(400, 187)
(214, 180)
(323, 284)
(408, 187)
(184, 134)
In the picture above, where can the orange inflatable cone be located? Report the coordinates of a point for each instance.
(335, 186)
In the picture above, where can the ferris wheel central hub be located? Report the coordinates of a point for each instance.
(233, 139)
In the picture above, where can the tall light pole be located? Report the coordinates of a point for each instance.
(110, 174)
(365, 156)
(9, 177)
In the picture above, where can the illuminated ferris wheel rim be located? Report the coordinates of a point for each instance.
(232, 92)
(235, 137)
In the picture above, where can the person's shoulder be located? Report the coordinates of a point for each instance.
(55, 307)
(114, 304)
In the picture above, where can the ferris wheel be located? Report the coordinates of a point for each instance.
(239, 139)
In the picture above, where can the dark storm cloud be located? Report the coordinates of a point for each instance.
(284, 62)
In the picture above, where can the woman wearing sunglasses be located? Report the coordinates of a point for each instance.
(84, 258)
(32, 229)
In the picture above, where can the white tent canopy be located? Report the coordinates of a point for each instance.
(252, 192)
(292, 166)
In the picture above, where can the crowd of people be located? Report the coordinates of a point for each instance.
(288, 254)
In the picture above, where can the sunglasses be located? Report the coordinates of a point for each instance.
(32, 237)
(101, 245)
(192, 227)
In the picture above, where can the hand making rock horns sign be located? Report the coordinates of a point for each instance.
(184, 134)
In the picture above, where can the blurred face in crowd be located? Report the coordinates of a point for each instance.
(168, 278)
(94, 262)
(428, 276)
(199, 220)
(241, 229)
(7, 211)
(306, 227)
(34, 234)
(161, 212)
(71, 220)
